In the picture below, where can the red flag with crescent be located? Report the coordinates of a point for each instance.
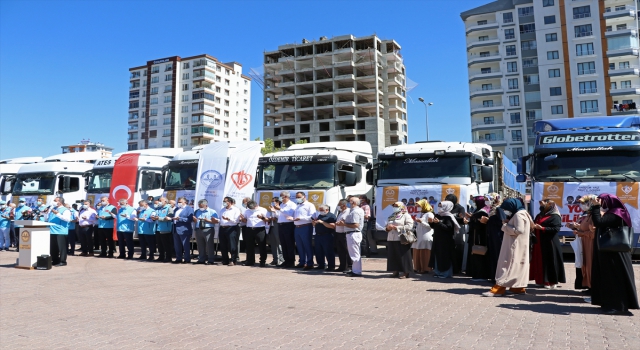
(123, 182)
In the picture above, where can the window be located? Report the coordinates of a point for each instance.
(479, 23)
(184, 131)
(546, 3)
(621, 26)
(623, 65)
(168, 77)
(557, 109)
(166, 143)
(583, 30)
(525, 11)
(512, 66)
(551, 37)
(549, 19)
(553, 55)
(185, 98)
(513, 84)
(184, 120)
(154, 101)
(487, 86)
(155, 69)
(589, 106)
(226, 102)
(185, 65)
(134, 104)
(586, 68)
(511, 50)
(514, 100)
(185, 76)
(529, 45)
(226, 113)
(582, 12)
(532, 79)
(529, 62)
(246, 92)
(507, 17)
(532, 96)
(584, 49)
(555, 91)
(226, 92)
(554, 73)
(485, 70)
(168, 67)
(516, 152)
(167, 110)
(167, 99)
(185, 87)
(217, 89)
(516, 135)
(183, 143)
(244, 131)
(613, 86)
(155, 79)
(185, 109)
(534, 114)
(527, 28)
(132, 147)
(509, 34)
(226, 135)
(153, 122)
(488, 103)
(226, 82)
(625, 84)
(167, 88)
(515, 118)
(588, 87)
(245, 120)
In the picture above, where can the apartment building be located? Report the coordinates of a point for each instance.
(547, 59)
(88, 146)
(339, 89)
(186, 102)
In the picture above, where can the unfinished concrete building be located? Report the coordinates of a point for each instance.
(339, 89)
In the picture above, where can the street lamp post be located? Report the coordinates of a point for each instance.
(426, 108)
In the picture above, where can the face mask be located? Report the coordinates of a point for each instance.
(39, 202)
(507, 213)
(20, 204)
(84, 207)
(584, 207)
(252, 207)
(244, 205)
(299, 200)
(322, 212)
(54, 204)
(396, 209)
(181, 205)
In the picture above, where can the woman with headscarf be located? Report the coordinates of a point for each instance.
(424, 234)
(494, 233)
(612, 280)
(399, 255)
(547, 265)
(584, 231)
(444, 227)
(513, 263)
(478, 265)
(459, 212)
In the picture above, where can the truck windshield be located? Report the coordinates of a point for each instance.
(425, 167)
(35, 183)
(100, 181)
(296, 175)
(182, 177)
(604, 165)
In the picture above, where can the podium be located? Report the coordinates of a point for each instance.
(33, 241)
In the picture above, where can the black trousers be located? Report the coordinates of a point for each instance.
(250, 236)
(71, 238)
(15, 238)
(58, 249)
(147, 242)
(343, 252)
(125, 239)
(96, 238)
(165, 248)
(228, 238)
(86, 239)
(106, 239)
(288, 243)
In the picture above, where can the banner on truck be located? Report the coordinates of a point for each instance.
(566, 195)
(211, 174)
(241, 172)
(314, 197)
(189, 195)
(409, 195)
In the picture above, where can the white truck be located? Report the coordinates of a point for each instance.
(8, 170)
(181, 175)
(325, 171)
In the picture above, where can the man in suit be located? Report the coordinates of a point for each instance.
(183, 219)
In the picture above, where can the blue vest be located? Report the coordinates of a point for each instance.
(4, 222)
(124, 224)
(18, 213)
(205, 214)
(105, 211)
(144, 227)
(59, 227)
(74, 216)
(42, 208)
(163, 226)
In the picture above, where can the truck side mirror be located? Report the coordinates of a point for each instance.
(486, 173)
(522, 164)
(369, 177)
(521, 178)
(349, 178)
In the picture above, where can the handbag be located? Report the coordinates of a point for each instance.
(616, 240)
(407, 237)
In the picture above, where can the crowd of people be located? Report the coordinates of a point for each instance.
(504, 245)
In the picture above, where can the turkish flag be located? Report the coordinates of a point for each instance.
(123, 183)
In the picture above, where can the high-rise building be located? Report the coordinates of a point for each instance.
(88, 146)
(547, 59)
(186, 102)
(339, 89)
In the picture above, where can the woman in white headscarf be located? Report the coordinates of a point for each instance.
(445, 226)
(398, 254)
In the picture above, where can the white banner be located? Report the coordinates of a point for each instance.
(566, 195)
(241, 172)
(211, 174)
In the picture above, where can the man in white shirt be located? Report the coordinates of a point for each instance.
(87, 219)
(353, 228)
(341, 239)
(286, 228)
(304, 230)
(274, 234)
(227, 234)
(256, 220)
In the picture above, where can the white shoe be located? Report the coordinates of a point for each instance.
(547, 287)
(490, 295)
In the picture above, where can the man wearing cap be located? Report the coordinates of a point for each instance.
(5, 225)
(106, 218)
(19, 212)
(59, 218)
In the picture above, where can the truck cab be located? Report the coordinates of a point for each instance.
(47, 180)
(325, 171)
(8, 170)
(181, 175)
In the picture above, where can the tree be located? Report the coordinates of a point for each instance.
(270, 148)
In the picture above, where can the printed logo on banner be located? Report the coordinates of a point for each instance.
(628, 193)
(451, 189)
(241, 179)
(554, 191)
(316, 198)
(390, 195)
(211, 178)
(171, 195)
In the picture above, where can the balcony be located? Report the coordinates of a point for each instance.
(478, 58)
(488, 124)
(491, 140)
(487, 26)
(487, 75)
(487, 109)
(588, 91)
(345, 91)
(582, 15)
(621, 32)
(584, 34)
(486, 92)
(619, 12)
(345, 132)
(627, 51)
(589, 110)
(345, 104)
(625, 90)
(345, 118)
(484, 42)
(344, 77)
(626, 71)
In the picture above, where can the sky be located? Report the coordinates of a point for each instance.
(74, 57)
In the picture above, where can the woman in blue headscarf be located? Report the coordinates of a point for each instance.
(513, 263)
